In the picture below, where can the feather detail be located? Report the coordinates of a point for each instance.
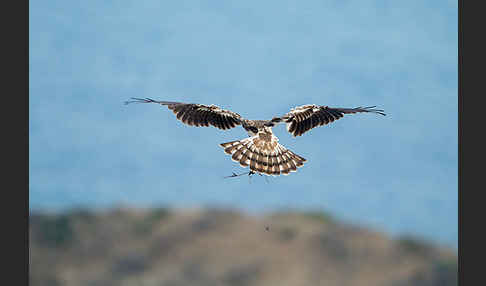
(263, 156)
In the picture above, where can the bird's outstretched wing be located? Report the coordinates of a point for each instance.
(198, 114)
(303, 118)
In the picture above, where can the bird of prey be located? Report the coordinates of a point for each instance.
(261, 150)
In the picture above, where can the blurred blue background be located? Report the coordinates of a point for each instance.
(258, 58)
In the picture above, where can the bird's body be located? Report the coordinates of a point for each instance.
(254, 126)
(261, 150)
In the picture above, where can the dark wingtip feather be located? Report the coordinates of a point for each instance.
(149, 100)
(370, 109)
(135, 100)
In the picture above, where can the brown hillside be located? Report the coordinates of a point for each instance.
(220, 247)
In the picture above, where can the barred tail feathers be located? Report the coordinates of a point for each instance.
(275, 162)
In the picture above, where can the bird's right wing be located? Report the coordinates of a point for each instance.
(198, 114)
(303, 118)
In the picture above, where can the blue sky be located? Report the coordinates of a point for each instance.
(258, 58)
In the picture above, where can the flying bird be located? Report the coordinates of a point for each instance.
(261, 150)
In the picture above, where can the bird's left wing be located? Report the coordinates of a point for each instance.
(303, 118)
(198, 114)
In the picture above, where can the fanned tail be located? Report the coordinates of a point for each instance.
(275, 162)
